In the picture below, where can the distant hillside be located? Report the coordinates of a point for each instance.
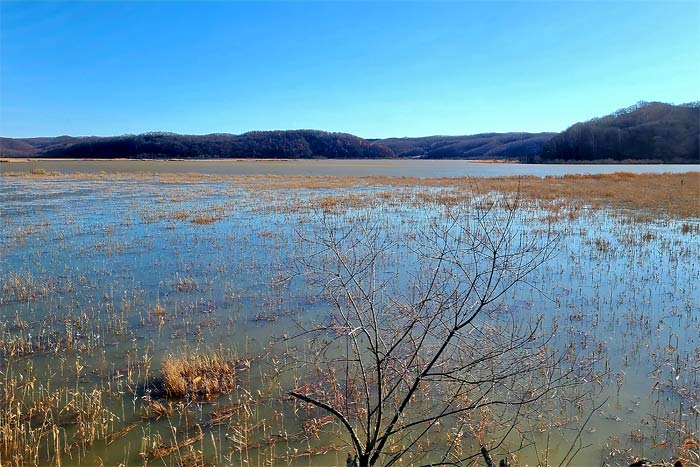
(258, 144)
(647, 131)
(519, 146)
(10, 147)
(293, 144)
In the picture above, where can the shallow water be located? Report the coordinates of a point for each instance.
(359, 168)
(100, 255)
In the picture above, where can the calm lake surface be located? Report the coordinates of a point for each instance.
(101, 280)
(357, 168)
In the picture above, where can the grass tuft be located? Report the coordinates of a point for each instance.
(199, 376)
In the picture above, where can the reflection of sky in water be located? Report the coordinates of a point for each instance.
(633, 309)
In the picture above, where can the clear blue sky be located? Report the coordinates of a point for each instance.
(371, 69)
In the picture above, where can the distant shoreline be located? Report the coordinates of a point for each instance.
(12, 160)
(286, 168)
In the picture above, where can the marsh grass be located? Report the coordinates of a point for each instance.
(180, 214)
(200, 375)
(90, 287)
(24, 287)
(166, 449)
(205, 219)
(186, 283)
(675, 194)
(159, 314)
(39, 424)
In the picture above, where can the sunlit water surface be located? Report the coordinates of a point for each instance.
(623, 291)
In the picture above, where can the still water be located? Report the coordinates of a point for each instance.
(103, 279)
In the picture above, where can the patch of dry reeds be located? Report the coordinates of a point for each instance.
(38, 424)
(200, 376)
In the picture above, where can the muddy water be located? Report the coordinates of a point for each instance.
(93, 259)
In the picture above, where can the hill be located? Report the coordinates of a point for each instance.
(293, 144)
(257, 144)
(519, 146)
(647, 131)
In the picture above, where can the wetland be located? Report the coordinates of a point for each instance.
(161, 316)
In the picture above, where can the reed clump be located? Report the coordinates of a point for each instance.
(204, 219)
(199, 376)
(180, 215)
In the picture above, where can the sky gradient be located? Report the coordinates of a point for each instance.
(371, 69)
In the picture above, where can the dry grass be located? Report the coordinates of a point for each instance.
(673, 194)
(180, 215)
(44, 172)
(23, 287)
(200, 376)
(159, 314)
(156, 409)
(38, 424)
(163, 449)
(205, 219)
(186, 283)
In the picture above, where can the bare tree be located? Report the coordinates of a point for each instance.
(421, 348)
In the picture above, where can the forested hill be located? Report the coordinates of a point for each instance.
(647, 131)
(520, 146)
(256, 144)
(293, 144)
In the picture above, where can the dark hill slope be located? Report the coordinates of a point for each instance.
(293, 144)
(646, 131)
(259, 144)
(10, 147)
(482, 146)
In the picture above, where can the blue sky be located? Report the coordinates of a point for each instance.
(371, 69)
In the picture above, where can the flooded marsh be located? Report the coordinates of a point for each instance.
(163, 319)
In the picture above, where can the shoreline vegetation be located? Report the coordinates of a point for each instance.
(675, 194)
